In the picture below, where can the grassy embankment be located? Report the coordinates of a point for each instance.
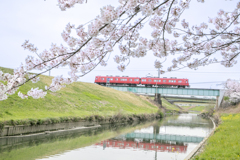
(168, 105)
(188, 104)
(76, 100)
(197, 107)
(225, 143)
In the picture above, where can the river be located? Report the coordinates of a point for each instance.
(172, 138)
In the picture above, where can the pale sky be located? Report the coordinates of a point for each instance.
(42, 22)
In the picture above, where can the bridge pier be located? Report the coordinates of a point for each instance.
(158, 99)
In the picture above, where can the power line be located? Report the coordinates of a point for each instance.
(156, 70)
(207, 82)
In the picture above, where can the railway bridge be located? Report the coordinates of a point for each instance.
(164, 137)
(217, 93)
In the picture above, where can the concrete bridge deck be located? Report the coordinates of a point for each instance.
(164, 137)
(174, 91)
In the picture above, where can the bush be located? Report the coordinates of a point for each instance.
(32, 122)
(160, 113)
(99, 118)
(226, 98)
(91, 118)
(39, 121)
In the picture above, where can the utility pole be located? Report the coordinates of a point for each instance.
(158, 72)
(49, 72)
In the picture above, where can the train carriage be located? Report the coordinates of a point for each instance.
(164, 82)
(146, 81)
(116, 80)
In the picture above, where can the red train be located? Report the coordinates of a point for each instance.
(143, 146)
(146, 81)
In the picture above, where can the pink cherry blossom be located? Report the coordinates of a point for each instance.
(121, 26)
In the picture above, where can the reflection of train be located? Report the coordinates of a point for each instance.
(143, 146)
(146, 81)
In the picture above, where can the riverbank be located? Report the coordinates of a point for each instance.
(77, 102)
(224, 144)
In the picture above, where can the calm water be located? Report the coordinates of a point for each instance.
(171, 138)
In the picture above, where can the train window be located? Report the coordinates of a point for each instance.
(149, 80)
(186, 81)
(130, 79)
(121, 79)
(155, 80)
(111, 79)
(135, 79)
(96, 78)
(170, 81)
(125, 79)
(102, 78)
(116, 79)
(143, 79)
(159, 80)
(164, 80)
(174, 80)
(179, 81)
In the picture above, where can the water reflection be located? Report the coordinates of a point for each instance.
(144, 145)
(170, 138)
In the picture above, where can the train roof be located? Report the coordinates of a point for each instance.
(118, 76)
(142, 77)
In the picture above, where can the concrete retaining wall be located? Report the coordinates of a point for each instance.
(17, 140)
(21, 129)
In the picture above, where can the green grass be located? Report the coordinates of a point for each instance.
(225, 143)
(198, 108)
(185, 107)
(168, 105)
(78, 99)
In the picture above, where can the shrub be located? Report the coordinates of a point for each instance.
(226, 98)
(32, 122)
(99, 118)
(39, 121)
(91, 118)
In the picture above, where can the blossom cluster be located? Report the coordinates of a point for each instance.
(64, 4)
(232, 90)
(191, 46)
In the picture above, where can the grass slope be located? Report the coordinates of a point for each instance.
(168, 105)
(78, 99)
(225, 142)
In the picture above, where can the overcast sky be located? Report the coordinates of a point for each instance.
(42, 22)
